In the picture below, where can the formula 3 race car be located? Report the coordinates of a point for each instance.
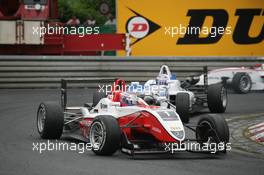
(122, 120)
(187, 96)
(241, 79)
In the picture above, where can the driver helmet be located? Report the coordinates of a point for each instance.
(162, 79)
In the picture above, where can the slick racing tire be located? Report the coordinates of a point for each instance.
(97, 96)
(217, 98)
(105, 135)
(50, 120)
(241, 83)
(182, 103)
(212, 127)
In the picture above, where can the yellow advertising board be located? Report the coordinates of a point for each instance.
(193, 28)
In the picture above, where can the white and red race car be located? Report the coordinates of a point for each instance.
(241, 79)
(122, 120)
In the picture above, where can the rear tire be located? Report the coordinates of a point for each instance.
(182, 103)
(105, 135)
(50, 120)
(241, 83)
(217, 98)
(97, 96)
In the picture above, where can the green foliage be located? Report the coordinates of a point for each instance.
(84, 9)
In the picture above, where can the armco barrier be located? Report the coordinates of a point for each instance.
(47, 71)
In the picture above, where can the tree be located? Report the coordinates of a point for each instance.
(84, 9)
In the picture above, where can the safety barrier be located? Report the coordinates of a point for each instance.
(47, 71)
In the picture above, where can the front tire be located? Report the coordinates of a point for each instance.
(217, 98)
(50, 120)
(105, 135)
(212, 127)
(241, 83)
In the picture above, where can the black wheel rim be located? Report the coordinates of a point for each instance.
(97, 135)
(244, 83)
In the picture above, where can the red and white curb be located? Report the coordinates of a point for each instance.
(256, 133)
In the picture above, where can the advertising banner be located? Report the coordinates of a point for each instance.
(193, 28)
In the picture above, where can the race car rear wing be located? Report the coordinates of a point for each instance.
(203, 89)
(65, 82)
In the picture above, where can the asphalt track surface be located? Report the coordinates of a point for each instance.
(18, 132)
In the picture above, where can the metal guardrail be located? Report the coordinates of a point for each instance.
(47, 71)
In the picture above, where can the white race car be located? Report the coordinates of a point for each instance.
(185, 95)
(240, 79)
